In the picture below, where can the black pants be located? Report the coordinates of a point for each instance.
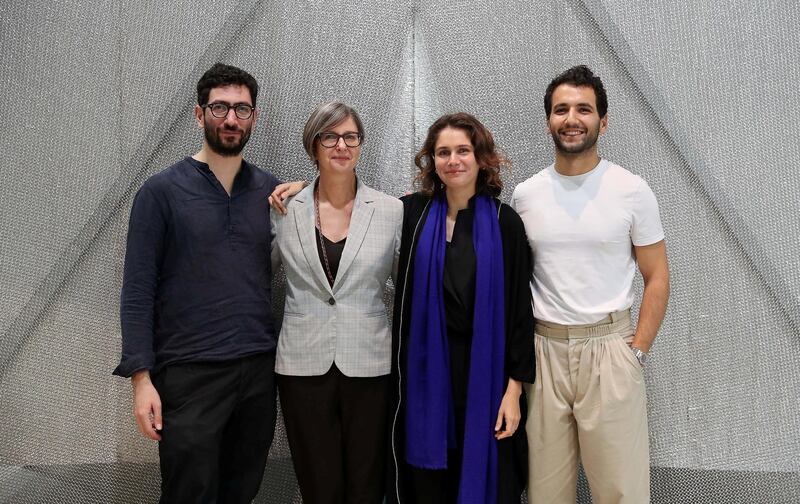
(336, 427)
(218, 423)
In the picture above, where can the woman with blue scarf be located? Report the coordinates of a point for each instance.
(462, 330)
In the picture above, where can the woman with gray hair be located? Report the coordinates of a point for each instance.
(338, 243)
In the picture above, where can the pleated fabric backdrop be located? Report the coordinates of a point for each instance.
(97, 96)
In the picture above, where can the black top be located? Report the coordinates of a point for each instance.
(333, 250)
(519, 351)
(520, 362)
(459, 275)
(197, 278)
(458, 286)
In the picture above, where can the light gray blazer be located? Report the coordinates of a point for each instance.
(346, 324)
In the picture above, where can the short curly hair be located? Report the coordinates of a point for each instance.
(221, 75)
(579, 76)
(489, 160)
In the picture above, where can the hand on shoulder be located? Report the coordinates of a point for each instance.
(283, 192)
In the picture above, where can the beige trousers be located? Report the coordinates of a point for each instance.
(588, 402)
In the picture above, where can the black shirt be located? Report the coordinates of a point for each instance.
(520, 363)
(197, 278)
(333, 251)
(459, 275)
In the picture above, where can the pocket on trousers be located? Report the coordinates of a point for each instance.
(626, 349)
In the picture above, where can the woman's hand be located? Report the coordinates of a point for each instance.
(283, 191)
(509, 411)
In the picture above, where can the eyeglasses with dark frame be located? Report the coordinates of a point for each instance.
(220, 109)
(330, 139)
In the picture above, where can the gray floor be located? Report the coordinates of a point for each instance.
(126, 483)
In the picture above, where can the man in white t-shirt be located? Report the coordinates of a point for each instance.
(589, 223)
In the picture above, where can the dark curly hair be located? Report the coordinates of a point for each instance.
(579, 76)
(489, 160)
(221, 75)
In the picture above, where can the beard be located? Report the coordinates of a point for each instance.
(589, 141)
(222, 147)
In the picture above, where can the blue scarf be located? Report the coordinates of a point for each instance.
(429, 419)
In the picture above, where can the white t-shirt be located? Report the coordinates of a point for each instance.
(581, 230)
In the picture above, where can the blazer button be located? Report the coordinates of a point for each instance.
(331, 301)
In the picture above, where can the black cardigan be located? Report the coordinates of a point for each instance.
(519, 355)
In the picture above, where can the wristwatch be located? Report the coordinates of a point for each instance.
(640, 355)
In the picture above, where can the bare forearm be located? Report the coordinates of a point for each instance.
(140, 377)
(514, 387)
(651, 312)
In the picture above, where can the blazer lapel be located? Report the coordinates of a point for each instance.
(363, 207)
(306, 230)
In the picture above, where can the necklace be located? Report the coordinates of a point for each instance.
(325, 263)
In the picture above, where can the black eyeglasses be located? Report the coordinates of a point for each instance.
(220, 110)
(329, 139)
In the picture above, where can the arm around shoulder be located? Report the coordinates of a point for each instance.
(277, 200)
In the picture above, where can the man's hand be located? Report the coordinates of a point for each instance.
(283, 191)
(146, 405)
(509, 411)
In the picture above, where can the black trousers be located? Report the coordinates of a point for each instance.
(336, 427)
(218, 424)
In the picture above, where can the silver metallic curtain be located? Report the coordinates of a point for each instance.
(97, 96)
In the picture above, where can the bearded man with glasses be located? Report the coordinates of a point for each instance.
(198, 340)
